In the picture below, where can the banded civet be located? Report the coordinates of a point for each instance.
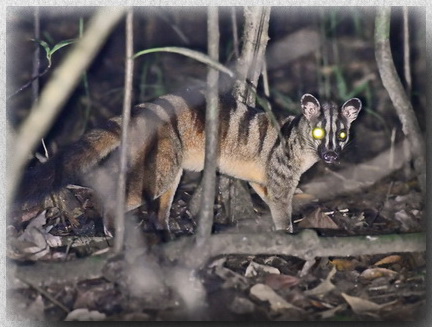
(167, 136)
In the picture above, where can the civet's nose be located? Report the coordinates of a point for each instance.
(330, 156)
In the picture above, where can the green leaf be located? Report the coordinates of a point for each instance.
(61, 44)
(44, 45)
(191, 54)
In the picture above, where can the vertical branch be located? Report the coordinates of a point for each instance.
(211, 130)
(127, 102)
(86, 84)
(407, 65)
(250, 63)
(393, 85)
(36, 68)
(36, 56)
(235, 32)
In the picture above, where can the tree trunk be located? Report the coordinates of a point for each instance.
(211, 131)
(398, 96)
(234, 193)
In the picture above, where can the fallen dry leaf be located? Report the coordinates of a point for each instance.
(324, 287)
(373, 273)
(36, 309)
(331, 312)
(362, 306)
(279, 281)
(408, 222)
(344, 264)
(255, 269)
(388, 260)
(318, 219)
(85, 315)
(264, 293)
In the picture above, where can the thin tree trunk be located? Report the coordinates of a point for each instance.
(250, 63)
(393, 85)
(127, 103)
(211, 131)
(234, 193)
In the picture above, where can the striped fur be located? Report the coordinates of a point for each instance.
(167, 136)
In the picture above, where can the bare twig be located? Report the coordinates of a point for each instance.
(36, 56)
(393, 85)
(392, 144)
(211, 131)
(58, 89)
(265, 80)
(127, 102)
(44, 293)
(407, 64)
(30, 82)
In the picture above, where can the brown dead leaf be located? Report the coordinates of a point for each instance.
(361, 306)
(280, 281)
(318, 219)
(30, 213)
(344, 264)
(388, 260)
(373, 273)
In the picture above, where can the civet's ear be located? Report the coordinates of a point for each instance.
(351, 109)
(310, 106)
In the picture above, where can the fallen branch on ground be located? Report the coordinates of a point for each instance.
(306, 245)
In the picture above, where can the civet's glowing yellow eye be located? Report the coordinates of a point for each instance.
(318, 133)
(342, 135)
